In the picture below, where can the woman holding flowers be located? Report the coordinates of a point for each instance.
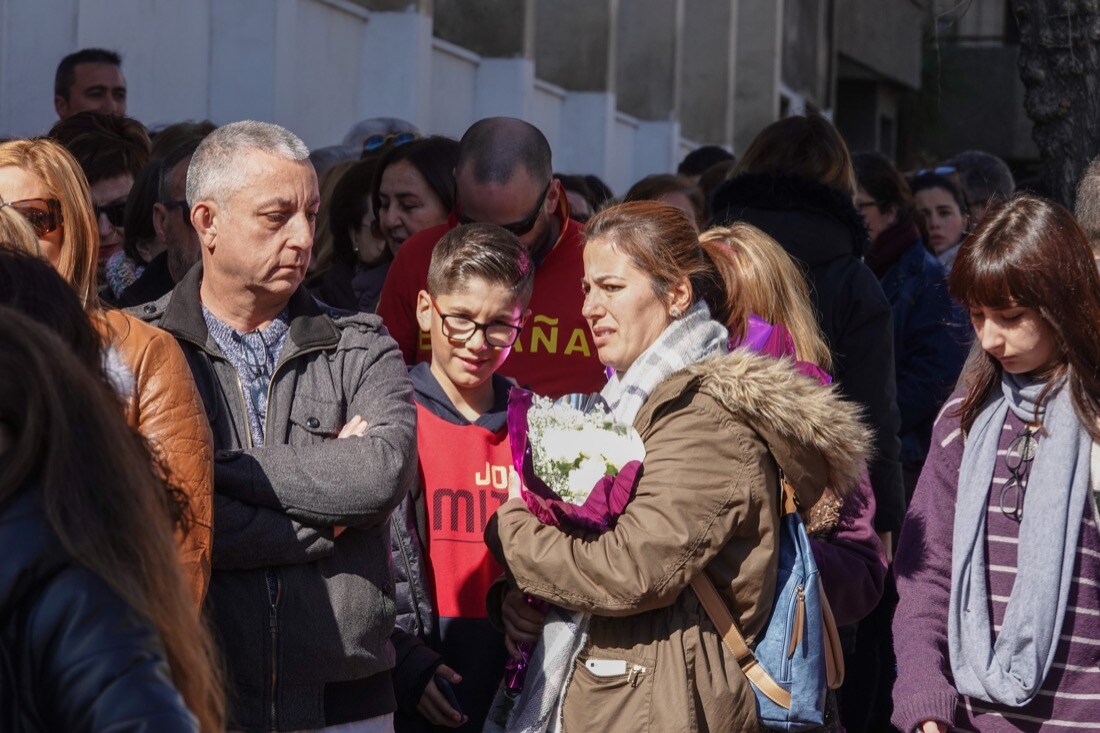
(998, 623)
(718, 428)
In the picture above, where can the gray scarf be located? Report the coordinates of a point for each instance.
(1010, 667)
(685, 341)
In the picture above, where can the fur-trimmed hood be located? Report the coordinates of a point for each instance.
(814, 222)
(810, 430)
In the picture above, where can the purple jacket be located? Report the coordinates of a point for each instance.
(1069, 698)
(852, 562)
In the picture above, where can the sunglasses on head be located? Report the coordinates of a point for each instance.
(374, 142)
(943, 170)
(521, 227)
(44, 215)
(115, 213)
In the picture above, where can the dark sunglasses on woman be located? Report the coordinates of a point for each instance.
(115, 213)
(44, 215)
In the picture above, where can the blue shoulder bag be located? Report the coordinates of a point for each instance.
(797, 655)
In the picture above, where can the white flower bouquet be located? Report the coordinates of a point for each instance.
(579, 468)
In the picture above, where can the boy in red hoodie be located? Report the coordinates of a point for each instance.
(479, 285)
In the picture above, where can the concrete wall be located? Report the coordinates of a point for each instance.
(622, 88)
(882, 35)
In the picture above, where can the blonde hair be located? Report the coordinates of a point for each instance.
(764, 280)
(61, 174)
(16, 232)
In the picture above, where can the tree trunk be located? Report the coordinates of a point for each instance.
(1060, 68)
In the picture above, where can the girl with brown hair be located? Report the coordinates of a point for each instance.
(92, 600)
(998, 626)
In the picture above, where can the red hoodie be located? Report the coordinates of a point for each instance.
(553, 356)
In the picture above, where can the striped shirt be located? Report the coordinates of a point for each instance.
(1069, 698)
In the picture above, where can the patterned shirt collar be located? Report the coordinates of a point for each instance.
(254, 355)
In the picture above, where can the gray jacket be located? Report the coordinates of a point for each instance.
(303, 619)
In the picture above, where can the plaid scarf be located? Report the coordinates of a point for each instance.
(685, 341)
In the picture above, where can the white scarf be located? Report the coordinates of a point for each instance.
(685, 341)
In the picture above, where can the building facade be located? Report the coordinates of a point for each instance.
(621, 88)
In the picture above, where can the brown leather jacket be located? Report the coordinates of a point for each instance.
(714, 436)
(163, 404)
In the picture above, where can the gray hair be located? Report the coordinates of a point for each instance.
(983, 176)
(213, 174)
(1087, 207)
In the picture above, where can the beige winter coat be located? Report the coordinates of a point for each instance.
(714, 434)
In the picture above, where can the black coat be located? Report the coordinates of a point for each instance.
(820, 227)
(73, 656)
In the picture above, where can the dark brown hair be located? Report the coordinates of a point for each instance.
(651, 188)
(661, 241)
(349, 203)
(876, 175)
(1029, 252)
(106, 146)
(102, 495)
(483, 251)
(806, 146)
(65, 76)
(434, 158)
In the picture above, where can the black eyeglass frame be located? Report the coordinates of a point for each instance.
(475, 327)
(519, 228)
(1018, 458)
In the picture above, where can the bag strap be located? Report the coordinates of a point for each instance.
(735, 642)
(723, 621)
(834, 654)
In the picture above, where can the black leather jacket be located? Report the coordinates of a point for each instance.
(73, 656)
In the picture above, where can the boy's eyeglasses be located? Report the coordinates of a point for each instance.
(395, 139)
(115, 213)
(519, 228)
(461, 329)
(1018, 457)
(44, 215)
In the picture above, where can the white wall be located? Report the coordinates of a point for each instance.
(315, 66)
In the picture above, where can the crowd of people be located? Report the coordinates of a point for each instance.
(256, 470)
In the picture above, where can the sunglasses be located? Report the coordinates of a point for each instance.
(943, 170)
(44, 215)
(115, 213)
(374, 142)
(519, 228)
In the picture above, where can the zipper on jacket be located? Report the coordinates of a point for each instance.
(799, 622)
(273, 630)
(407, 562)
(632, 676)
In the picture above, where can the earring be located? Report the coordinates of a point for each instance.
(675, 313)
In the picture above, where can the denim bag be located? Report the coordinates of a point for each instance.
(797, 655)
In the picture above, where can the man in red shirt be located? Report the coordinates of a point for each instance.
(504, 176)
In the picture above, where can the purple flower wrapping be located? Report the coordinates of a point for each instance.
(602, 507)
